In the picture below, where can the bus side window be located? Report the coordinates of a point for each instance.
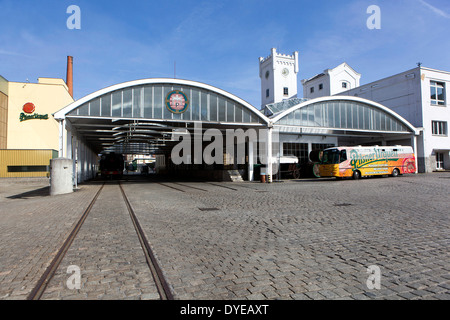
(343, 156)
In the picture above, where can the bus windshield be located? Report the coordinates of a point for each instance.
(330, 156)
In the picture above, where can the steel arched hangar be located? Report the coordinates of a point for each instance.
(337, 121)
(138, 117)
(104, 118)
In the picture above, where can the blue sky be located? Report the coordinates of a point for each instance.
(217, 42)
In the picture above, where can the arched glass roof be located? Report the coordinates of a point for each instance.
(140, 116)
(347, 113)
(152, 98)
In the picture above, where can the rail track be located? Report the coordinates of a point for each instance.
(160, 282)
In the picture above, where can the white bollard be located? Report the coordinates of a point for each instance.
(61, 176)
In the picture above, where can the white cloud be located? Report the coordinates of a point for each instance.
(435, 10)
(11, 53)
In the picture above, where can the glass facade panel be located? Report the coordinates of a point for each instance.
(360, 117)
(222, 109)
(204, 106)
(304, 113)
(84, 110)
(318, 114)
(195, 105)
(213, 100)
(366, 118)
(230, 111)
(355, 116)
(158, 102)
(348, 111)
(117, 104)
(94, 109)
(325, 115)
(291, 119)
(148, 102)
(247, 116)
(393, 125)
(127, 103)
(343, 115)
(106, 105)
(237, 113)
(377, 117)
(166, 114)
(310, 112)
(330, 115)
(382, 122)
(297, 116)
(337, 117)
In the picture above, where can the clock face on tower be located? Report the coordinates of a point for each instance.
(285, 72)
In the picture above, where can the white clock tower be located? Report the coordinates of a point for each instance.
(278, 73)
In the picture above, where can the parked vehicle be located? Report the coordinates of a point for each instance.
(360, 161)
(111, 165)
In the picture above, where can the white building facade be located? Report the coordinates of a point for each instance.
(331, 82)
(278, 73)
(419, 95)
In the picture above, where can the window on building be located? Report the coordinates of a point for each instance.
(286, 91)
(300, 150)
(28, 169)
(439, 160)
(439, 128)
(321, 86)
(437, 93)
(311, 90)
(344, 85)
(321, 146)
(267, 93)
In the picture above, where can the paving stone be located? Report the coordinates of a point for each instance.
(288, 242)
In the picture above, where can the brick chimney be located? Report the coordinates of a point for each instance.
(69, 79)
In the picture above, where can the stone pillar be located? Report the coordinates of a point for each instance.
(61, 176)
(250, 161)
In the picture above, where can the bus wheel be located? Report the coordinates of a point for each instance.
(356, 175)
(395, 172)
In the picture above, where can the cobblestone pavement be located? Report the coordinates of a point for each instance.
(108, 254)
(298, 239)
(33, 226)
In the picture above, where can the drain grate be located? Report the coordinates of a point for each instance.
(342, 204)
(208, 209)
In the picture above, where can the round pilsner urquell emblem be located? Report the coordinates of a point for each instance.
(28, 108)
(177, 102)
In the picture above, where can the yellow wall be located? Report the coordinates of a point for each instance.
(3, 120)
(49, 96)
(25, 158)
(3, 112)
